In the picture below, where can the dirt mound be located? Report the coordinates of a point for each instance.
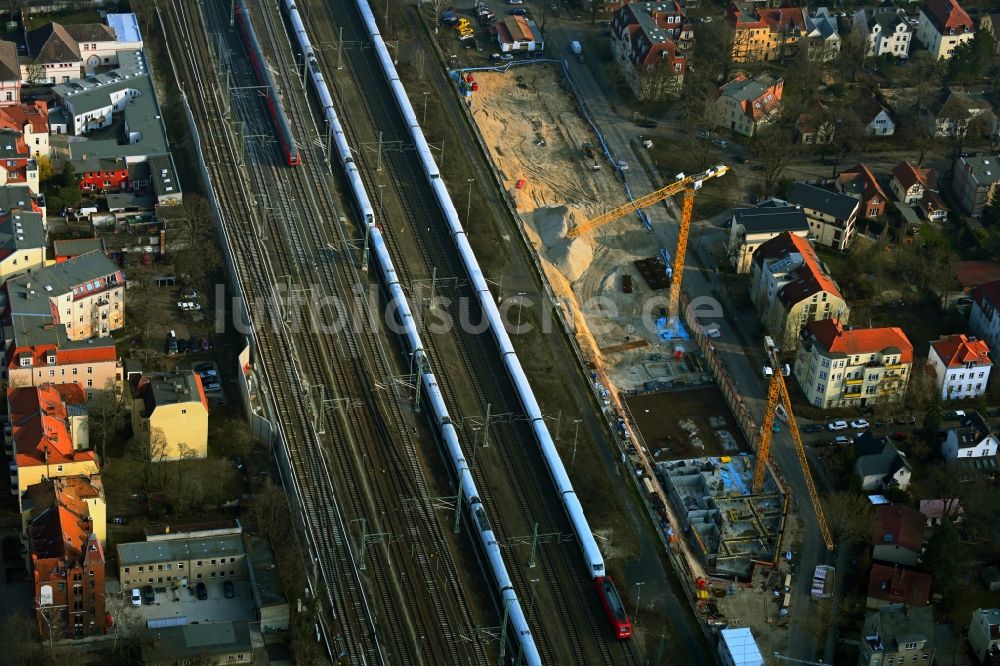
(572, 256)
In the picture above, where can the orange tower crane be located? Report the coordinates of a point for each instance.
(778, 390)
(686, 184)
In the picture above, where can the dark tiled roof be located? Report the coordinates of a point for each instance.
(839, 206)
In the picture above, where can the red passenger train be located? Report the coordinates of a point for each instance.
(613, 607)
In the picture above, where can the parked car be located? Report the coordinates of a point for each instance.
(238, 462)
(205, 368)
(119, 520)
(136, 596)
(228, 589)
(964, 300)
(704, 134)
(713, 331)
(898, 436)
(213, 387)
(768, 371)
(834, 426)
(148, 595)
(201, 591)
(721, 143)
(859, 424)
(190, 295)
(813, 427)
(518, 12)
(841, 440)
(183, 346)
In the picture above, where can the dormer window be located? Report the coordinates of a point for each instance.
(25, 360)
(51, 359)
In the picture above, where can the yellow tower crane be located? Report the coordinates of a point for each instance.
(778, 390)
(686, 184)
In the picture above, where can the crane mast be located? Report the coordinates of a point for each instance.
(777, 390)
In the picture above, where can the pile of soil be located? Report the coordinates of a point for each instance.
(571, 256)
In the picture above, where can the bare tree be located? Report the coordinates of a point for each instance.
(18, 634)
(150, 449)
(143, 313)
(850, 516)
(36, 75)
(196, 253)
(774, 150)
(106, 415)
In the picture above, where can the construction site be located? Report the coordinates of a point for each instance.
(613, 282)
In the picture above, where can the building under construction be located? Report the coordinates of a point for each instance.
(729, 525)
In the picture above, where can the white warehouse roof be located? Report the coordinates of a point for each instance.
(741, 648)
(125, 26)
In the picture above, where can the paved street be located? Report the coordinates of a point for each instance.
(741, 329)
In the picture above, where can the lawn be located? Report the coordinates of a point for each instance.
(66, 18)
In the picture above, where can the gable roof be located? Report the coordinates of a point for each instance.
(837, 340)
(17, 116)
(957, 350)
(987, 294)
(757, 96)
(652, 31)
(909, 175)
(840, 206)
(868, 185)
(10, 70)
(947, 15)
(974, 273)
(898, 525)
(40, 427)
(820, 23)
(899, 585)
(809, 278)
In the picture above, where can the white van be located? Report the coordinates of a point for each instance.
(768, 372)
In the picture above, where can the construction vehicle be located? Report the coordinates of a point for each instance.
(686, 184)
(777, 391)
(463, 24)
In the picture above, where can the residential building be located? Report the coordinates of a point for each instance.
(897, 634)
(893, 584)
(17, 198)
(790, 288)
(32, 121)
(936, 511)
(123, 99)
(974, 180)
(873, 115)
(170, 410)
(85, 295)
(60, 53)
(898, 536)
(852, 367)
(38, 353)
(933, 208)
(942, 26)
(909, 183)
(745, 104)
(984, 634)
(17, 166)
(816, 125)
(972, 439)
(950, 113)
(962, 366)
(226, 642)
(67, 564)
(751, 227)
(832, 216)
(650, 42)
(822, 37)
(519, 34)
(984, 315)
(10, 74)
(859, 182)
(879, 464)
(83, 496)
(49, 435)
(886, 33)
(22, 243)
(765, 33)
(737, 647)
(183, 558)
(990, 22)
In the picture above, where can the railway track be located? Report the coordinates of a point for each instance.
(411, 574)
(573, 597)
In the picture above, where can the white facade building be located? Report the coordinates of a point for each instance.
(962, 366)
(973, 439)
(943, 25)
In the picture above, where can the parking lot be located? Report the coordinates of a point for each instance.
(183, 603)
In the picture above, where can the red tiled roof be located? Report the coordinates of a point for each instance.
(899, 585)
(778, 19)
(644, 50)
(810, 278)
(40, 427)
(976, 273)
(16, 117)
(957, 350)
(898, 525)
(869, 184)
(932, 201)
(947, 14)
(833, 337)
(909, 175)
(100, 351)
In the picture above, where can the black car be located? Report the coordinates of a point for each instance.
(229, 589)
(201, 591)
(148, 595)
(183, 346)
(195, 342)
(813, 427)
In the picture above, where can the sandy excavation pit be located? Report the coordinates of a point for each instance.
(536, 138)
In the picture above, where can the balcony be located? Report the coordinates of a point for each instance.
(853, 382)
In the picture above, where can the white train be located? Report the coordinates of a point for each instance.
(432, 393)
(593, 559)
